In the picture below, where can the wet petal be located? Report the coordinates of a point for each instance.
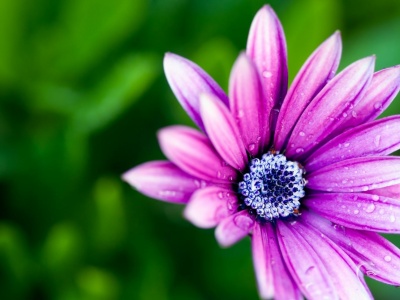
(163, 180)
(223, 131)
(209, 206)
(374, 255)
(304, 264)
(384, 87)
(192, 151)
(248, 105)
(358, 210)
(342, 269)
(262, 261)
(356, 174)
(380, 137)
(188, 81)
(313, 76)
(392, 191)
(328, 109)
(266, 46)
(234, 228)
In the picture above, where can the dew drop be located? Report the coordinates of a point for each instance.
(346, 145)
(377, 140)
(299, 150)
(344, 115)
(378, 105)
(356, 211)
(392, 218)
(267, 74)
(220, 195)
(387, 258)
(364, 188)
(354, 114)
(219, 174)
(301, 133)
(251, 147)
(309, 270)
(370, 208)
(375, 197)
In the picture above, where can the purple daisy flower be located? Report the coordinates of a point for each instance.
(304, 172)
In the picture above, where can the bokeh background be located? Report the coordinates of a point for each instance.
(82, 95)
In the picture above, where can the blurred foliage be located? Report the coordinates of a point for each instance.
(82, 95)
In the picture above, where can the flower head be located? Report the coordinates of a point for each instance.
(305, 172)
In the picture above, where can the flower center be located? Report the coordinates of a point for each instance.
(273, 187)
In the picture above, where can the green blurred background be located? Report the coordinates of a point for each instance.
(82, 94)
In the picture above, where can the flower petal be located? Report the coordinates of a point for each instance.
(163, 180)
(356, 175)
(272, 275)
(328, 109)
(373, 254)
(234, 228)
(266, 46)
(248, 105)
(223, 131)
(192, 151)
(304, 264)
(358, 210)
(343, 271)
(384, 87)
(262, 261)
(392, 191)
(313, 76)
(380, 137)
(209, 206)
(188, 81)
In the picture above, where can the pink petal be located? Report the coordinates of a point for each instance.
(373, 254)
(266, 46)
(210, 205)
(319, 68)
(328, 109)
(163, 180)
(356, 175)
(341, 268)
(234, 228)
(223, 131)
(248, 105)
(380, 137)
(192, 151)
(304, 264)
(384, 87)
(188, 81)
(358, 210)
(262, 261)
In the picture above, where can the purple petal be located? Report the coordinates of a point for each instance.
(304, 264)
(358, 210)
(313, 76)
(163, 180)
(223, 131)
(384, 87)
(188, 81)
(192, 151)
(373, 254)
(328, 109)
(262, 261)
(356, 175)
(380, 137)
(248, 105)
(340, 267)
(392, 191)
(266, 46)
(209, 206)
(234, 228)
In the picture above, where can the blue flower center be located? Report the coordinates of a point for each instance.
(272, 188)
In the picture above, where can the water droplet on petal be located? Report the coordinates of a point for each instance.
(392, 218)
(346, 145)
(377, 140)
(301, 133)
(220, 195)
(387, 258)
(370, 208)
(267, 74)
(375, 197)
(299, 150)
(356, 211)
(344, 115)
(378, 105)
(251, 147)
